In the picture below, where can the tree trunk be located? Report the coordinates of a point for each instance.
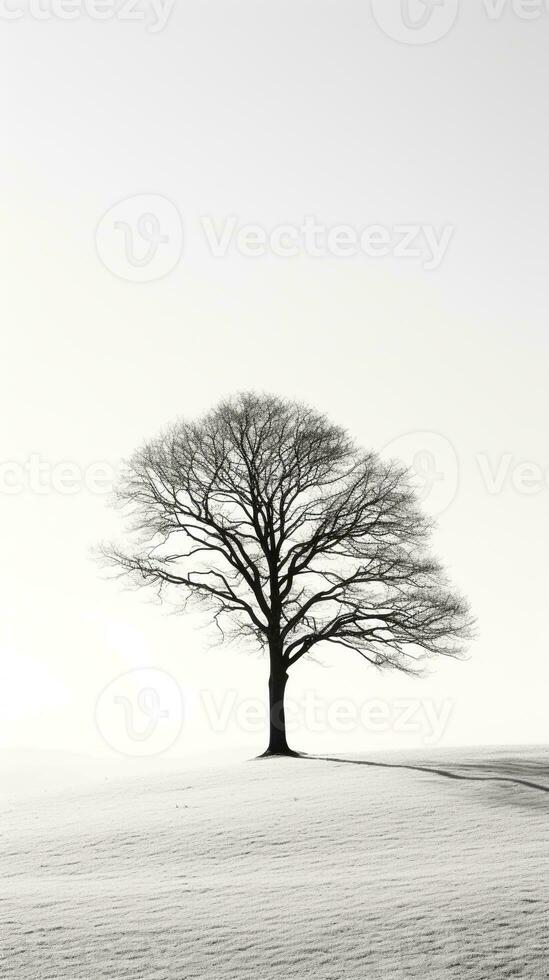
(278, 744)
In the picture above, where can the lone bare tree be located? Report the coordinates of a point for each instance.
(288, 533)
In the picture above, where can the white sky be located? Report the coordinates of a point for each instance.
(271, 112)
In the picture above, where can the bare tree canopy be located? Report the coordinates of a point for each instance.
(288, 532)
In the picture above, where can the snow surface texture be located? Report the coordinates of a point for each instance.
(284, 868)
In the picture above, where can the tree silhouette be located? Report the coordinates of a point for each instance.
(289, 533)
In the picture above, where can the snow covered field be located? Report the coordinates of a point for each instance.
(268, 869)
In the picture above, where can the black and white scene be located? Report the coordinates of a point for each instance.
(274, 489)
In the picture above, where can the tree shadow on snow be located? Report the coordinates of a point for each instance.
(432, 770)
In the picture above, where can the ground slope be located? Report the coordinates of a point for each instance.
(298, 868)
